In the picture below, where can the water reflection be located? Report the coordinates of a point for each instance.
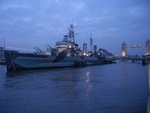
(116, 88)
(67, 82)
(87, 77)
(88, 83)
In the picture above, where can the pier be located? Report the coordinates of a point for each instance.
(148, 105)
(2, 59)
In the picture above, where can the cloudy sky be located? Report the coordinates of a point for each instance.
(28, 23)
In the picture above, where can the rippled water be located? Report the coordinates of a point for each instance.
(112, 88)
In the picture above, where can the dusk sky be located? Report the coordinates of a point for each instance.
(29, 23)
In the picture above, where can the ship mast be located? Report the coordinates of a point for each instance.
(71, 33)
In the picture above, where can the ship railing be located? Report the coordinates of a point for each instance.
(22, 50)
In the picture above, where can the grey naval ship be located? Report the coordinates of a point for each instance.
(66, 54)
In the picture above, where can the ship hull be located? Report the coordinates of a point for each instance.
(16, 61)
(94, 60)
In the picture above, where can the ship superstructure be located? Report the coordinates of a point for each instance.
(68, 41)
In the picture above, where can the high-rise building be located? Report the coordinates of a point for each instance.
(95, 48)
(84, 47)
(91, 42)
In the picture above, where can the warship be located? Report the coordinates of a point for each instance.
(67, 53)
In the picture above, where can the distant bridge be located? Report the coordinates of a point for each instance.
(125, 47)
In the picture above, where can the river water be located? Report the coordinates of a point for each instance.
(111, 88)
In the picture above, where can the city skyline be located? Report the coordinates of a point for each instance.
(29, 23)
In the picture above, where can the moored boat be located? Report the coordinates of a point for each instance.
(66, 54)
(16, 61)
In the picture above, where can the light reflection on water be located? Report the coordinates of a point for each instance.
(88, 82)
(116, 88)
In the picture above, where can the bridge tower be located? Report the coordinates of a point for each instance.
(124, 49)
(147, 47)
